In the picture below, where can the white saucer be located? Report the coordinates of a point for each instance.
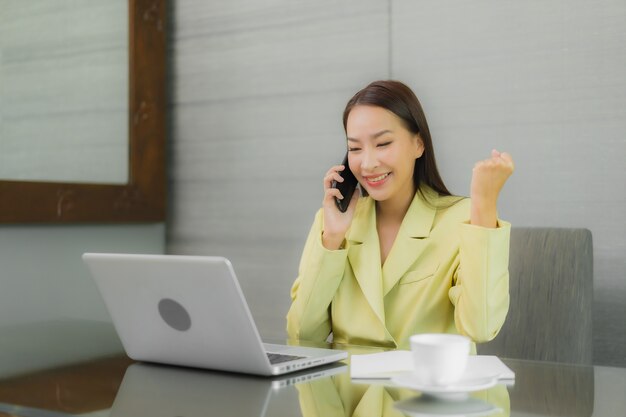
(465, 385)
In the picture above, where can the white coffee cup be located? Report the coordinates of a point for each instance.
(439, 358)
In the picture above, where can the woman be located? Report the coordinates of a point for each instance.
(407, 257)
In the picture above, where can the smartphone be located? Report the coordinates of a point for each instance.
(346, 187)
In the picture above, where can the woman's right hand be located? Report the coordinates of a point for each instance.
(336, 223)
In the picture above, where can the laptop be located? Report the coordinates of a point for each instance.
(190, 311)
(158, 390)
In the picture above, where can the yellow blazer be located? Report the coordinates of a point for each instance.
(442, 275)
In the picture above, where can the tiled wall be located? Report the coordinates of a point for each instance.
(258, 88)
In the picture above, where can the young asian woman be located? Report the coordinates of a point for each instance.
(406, 257)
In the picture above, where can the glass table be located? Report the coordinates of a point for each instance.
(79, 368)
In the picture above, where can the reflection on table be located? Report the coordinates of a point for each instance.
(340, 396)
(159, 390)
(114, 385)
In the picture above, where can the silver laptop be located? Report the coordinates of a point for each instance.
(190, 311)
(156, 390)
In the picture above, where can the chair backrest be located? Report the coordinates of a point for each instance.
(551, 289)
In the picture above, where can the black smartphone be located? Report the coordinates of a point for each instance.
(346, 187)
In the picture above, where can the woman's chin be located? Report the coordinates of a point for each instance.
(378, 196)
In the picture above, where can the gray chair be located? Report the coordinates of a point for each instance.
(551, 288)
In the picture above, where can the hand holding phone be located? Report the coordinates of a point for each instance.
(339, 205)
(346, 187)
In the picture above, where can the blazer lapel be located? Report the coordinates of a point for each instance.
(410, 241)
(364, 256)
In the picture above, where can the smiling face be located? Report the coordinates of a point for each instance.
(382, 153)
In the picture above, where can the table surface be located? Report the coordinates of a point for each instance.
(78, 368)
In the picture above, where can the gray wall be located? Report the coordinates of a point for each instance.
(257, 89)
(257, 94)
(42, 277)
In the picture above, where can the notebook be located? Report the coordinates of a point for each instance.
(190, 311)
(385, 365)
(158, 390)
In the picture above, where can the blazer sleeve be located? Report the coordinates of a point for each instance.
(480, 291)
(319, 275)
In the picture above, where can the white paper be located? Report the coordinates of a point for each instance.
(382, 365)
(385, 365)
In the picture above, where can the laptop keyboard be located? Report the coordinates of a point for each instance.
(278, 358)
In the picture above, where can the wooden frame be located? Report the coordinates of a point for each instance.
(143, 198)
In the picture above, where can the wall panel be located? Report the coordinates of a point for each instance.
(258, 90)
(545, 81)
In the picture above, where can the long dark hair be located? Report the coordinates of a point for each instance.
(401, 101)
